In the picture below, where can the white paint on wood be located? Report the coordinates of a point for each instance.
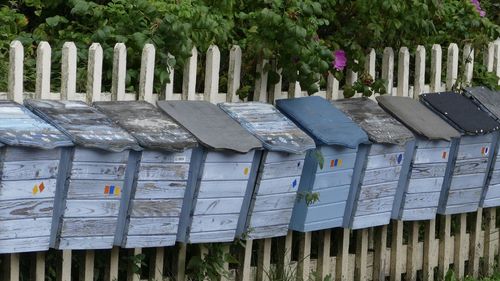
(40, 266)
(66, 265)
(264, 260)
(388, 69)
(419, 83)
(42, 84)
(16, 61)
(212, 68)
(452, 66)
(189, 76)
(147, 73)
(169, 87)
(89, 265)
(403, 72)
(468, 61)
(94, 73)
(68, 71)
(370, 65)
(436, 67)
(332, 88)
(496, 65)
(234, 74)
(119, 71)
(260, 91)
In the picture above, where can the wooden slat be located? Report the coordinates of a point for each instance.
(419, 83)
(428, 251)
(225, 265)
(303, 265)
(323, 266)
(113, 263)
(436, 66)
(181, 262)
(396, 250)
(118, 81)
(89, 265)
(68, 71)
(388, 69)
(264, 260)
(14, 269)
(212, 67)
(360, 269)
(147, 73)
(16, 60)
(42, 84)
(489, 250)
(260, 90)
(131, 274)
(189, 76)
(459, 251)
(244, 273)
(66, 265)
(380, 245)
(403, 72)
(94, 73)
(412, 252)
(452, 66)
(444, 246)
(40, 266)
(476, 220)
(158, 264)
(234, 74)
(285, 250)
(342, 260)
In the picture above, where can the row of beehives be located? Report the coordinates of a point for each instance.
(75, 176)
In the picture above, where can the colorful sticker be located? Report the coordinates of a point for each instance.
(180, 158)
(245, 171)
(400, 158)
(112, 190)
(38, 188)
(294, 183)
(484, 150)
(443, 155)
(335, 163)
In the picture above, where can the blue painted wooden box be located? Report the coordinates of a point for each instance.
(386, 164)
(30, 156)
(155, 201)
(418, 197)
(328, 170)
(280, 168)
(100, 169)
(467, 173)
(489, 101)
(228, 164)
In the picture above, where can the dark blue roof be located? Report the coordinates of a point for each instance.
(322, 121)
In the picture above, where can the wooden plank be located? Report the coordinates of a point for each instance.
(459, 251)
(283, 169)
(234, 74)
(412, 252)
(42, 83)
(215, 206)
(92, 189)
(158, 263)
(66, 265)
(428, 251)
(428, 170)
(16, 57)
(229, 171)
(118, 81)
(396, 250)
(372, 206)
(26, 209)
(13, 153)
(212, 67)
(403, 72)
(379, 260)
(156, 208)
(381, 175)
(155, 156)
(149, 241)
(91, 208)
(444, 245)
(14, 268)
(332, 179)
(244, 272)
(21, 245)
(379, 190)
(40, 266)
(323, 262)
(419, 81)
(113, 263)
(342, 259)
(181, 262)
(284, 247)
(89, 265)
(98, 171)
(273, 202)
(88, 227)
(26, 170)
(222, 236)
(217, 189)
(146, 74)
(476, 220)
(360, 270)
(25, 228)
(94, 73)
(388, 69)
(264, 260)
(189, 76)
(371, 220)
(153, 226)
(23, 189)
(452, 66)
(277, 217)
(134, 268)
(470, 167)
(425, 185)
(421, 200)
(488, 245)
(163, 171)
(214, 222)
(99, 156)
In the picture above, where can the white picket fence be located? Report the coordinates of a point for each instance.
(371, 260)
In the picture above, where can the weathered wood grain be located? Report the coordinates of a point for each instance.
(22, 209)
(214, 223)
(148, 241)
(23, 189)
(217, 189)
(163, 171)
(276, 217)
(97, 171)
(421, 200)
(371, 220)
(346, 162)
(22, 245)
(470, 166)
(431, 155)
(471, 195)
(79, 227)
(471, 151)
(379, 190)
(12, 153)
(429, 170)
(226, 171)
(153, 226)
(91, 208)
(225, 157)
(331, 179)
(156, 156)
(83, 154)
(381, 175)
(467, 181)
(377, 205)
(274, 202)
(160, 189)
(384, 160)
(41, 169)
(156, 208)
(91, 189)
(76, 243)
(215, 206)
(418, 214)
(212, 237)
(425, 185)
(24, 228)
(282, 169)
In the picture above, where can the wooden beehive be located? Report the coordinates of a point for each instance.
(387, 163)
(100, 169)
(489, 101)
(280, 168)
(157, 196)
(467, 174)
(30, 164)
(226, 173)
(418, 197)
(329, 170)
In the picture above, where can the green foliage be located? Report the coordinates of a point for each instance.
(309, 197)
(296, 36)
(211, 265)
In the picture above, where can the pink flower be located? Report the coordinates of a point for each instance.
(340, 60)
(478, 7)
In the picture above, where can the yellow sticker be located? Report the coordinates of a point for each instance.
(35, 189)
(245, 171)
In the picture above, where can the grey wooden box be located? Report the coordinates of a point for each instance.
(100, 169)
(386, 164)
(467, 172)
(280, 168)
(328, 170)
(157, 197)
(489, 101)
(30, 156)
(226, 174)
(418, 197)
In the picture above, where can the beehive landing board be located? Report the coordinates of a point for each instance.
(101, 169)
(418, 198)
(156, 200)
(29, 164)
(280, 167)
(489, 101)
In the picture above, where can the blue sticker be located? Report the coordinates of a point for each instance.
(400, 157)
(294, 183)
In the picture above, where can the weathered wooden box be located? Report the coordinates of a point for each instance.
(328, 170)
(489, 101)
(418, 197)
(30, 157)
(156, 199)
(467, 174)
(386, 164)
(99, 169)
(280, 168)
(227, 170)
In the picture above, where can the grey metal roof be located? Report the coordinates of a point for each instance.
(149, 125)
(325, 123)
(265, 122)
(83, 124)
(378, 124)
(417, 117)
(487, 99)
(20, 127)
(210, 125)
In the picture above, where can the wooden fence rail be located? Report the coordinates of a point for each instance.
(467, 243)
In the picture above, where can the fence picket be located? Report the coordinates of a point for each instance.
(403, 72)
(342, 259)
(380, 245)
(66, 265)
(89, 265)
(234, 74)
(360, 269)
(94, 73)
(332, 88)
(68, 71)
(284, 247)
(496, 66)
(396, 252)
(489, 250)
(13, 264)
(428, 251)
(303, 265)
(388, 69)
(459, 251)
(323, 266)
(260, 91)
(245, 262)
(40, 266)
(113, 263)
(294, 90)
(468, 61)
(119, 72)
(16, 60)
(370, 65)
(275, 91)
(189, 76)
(42, 84)
(412, 252)
(436, 67)
(444, 245)
(147, 73)
(475, 243)
(212, 68)
(419, 83)
(157, 267)
(451, 66)
(169, 87)
(264, 259)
